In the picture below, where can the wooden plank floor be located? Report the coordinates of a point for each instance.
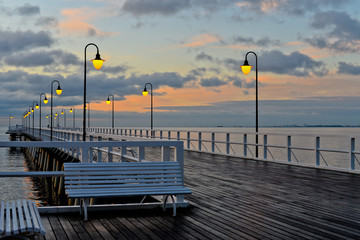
(235, 199)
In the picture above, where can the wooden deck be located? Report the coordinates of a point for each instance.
(235, 199)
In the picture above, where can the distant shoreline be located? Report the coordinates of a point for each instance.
(297, 126)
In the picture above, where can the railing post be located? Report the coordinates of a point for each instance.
(99, 151)
(288, 148)
(123, 153)
(245, 145)
(227, 143)
(78, 149)
(161, 134)
(141, 154)
(213, 142)
(130, 132)
(165, 154)
(169, 135)
(135, 132)
(110, 149)
(178, 136)
(351, 153)
(147, 133)
(141, 135)
(265, 146)
(199, 141)
(85, 154)
(317, 152)
(91, 139)
(188, 140)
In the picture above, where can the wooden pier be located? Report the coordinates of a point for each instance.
(234, 198)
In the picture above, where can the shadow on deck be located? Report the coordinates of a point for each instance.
(235, 199)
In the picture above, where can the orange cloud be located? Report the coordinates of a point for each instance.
(202, 40)
(77, 21)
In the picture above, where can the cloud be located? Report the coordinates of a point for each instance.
(27, 10)
(150, 7)
(115, 69)
(212, 82)
(77, 21)
(47, 22)
(341, 31)
(202, 40)
(295, 64)
(291, 7)
(347, 68)
(41, 58)
(22, 40)
(198, 72)
(263, 42)
(204, 57)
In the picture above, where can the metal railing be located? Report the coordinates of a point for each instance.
(335, 152)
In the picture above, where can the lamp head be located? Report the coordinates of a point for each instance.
(59, 90)
(108, 101)
(145, 92)
(46, 100)
(56, 114)
(62, 112)
(47, 116)
(37, 106)
(246, 68)
(71, 110)
(32, 110)
(11, 116)
(98, 62)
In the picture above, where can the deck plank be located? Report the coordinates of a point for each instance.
(235, 198)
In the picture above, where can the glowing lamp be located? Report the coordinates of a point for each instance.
(11, 117)
(108, 101)
(37, 106)
(56, 114)
(71, 110)
(145, 92)
(59, 90)
(98, 62)
(62, 112)
(45, 100)
(246, 68)
(32, 110)
(47, 116)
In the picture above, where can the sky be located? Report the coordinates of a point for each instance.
(190, 51)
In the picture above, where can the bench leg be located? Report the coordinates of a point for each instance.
(83, 204)
(174, 204)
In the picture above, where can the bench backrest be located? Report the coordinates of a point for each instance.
(122, 174)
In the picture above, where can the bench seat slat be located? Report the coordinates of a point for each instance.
(131, 181)
(163, 188)
(128, 168)
(29, 224)
(2, 217)
(110, 173)
(104, 194)
(8, 220)
(124, 177)
(21, 216)
(15, 227)
(34, 217)
(120, 185)
(116, 164)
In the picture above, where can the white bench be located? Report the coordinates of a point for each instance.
(20, 217)
(124, 179)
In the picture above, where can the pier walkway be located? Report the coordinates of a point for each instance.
(234, 198)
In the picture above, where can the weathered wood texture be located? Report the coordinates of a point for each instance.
(235, 199)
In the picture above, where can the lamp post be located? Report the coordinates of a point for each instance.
(97, 62)
(246, 70)
(87, 106)
(32, 110)
(63, 112)
(45, 101)
(29, 123)
(145, 93)
(73, 110)
(10, 117)
(108, 102)
(58, 91)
